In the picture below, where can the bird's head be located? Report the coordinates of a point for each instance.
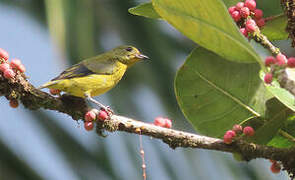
(128, 55)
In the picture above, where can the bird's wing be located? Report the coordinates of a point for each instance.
(88, 67)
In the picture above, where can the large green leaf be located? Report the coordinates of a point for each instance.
(275, 116)
(275, 29)
(286, 137)
(207, 23)
(146, 10)
(281, 142)
(215, 94)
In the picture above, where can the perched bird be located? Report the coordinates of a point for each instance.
(97, 75)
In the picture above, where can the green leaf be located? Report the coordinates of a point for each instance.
(276, 114)
(269, 7)
(275, 29)
(285, 138)
(146, 10)
(215, 94)
(281, 142)
(282, 94)
(208, 23)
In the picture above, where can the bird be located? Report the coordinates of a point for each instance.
(97, 75)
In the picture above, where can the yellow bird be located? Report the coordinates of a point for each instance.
(97, 75)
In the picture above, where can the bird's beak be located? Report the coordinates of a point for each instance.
(141, 56)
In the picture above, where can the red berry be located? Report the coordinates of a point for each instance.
(248, 131)
(90, 116)
(13, 103)
(9, 73)
(258, 13)
(231, 133)
(168, 123)
(103, 115)
(251, 25)
(4, 54)
(160, 121)
(54, 91)
(228, 137)
(260, 22)
(22, 68)
(272, 161)
(251, 4)
(269, 60)
(268, 78)
(275, 168)
(291, 62)
(88, 125)
(244, 32)
(15, 63)
(231, 9)
(245, 12)
(236, 16)
(4, 66)
(237, 128)
(281, 59)
(239, 5)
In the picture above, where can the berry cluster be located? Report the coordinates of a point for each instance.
(237, 129)
(275, 167)
(276, 63)
(163, 122)
(9, 70)
(93, 115)
(247, 17)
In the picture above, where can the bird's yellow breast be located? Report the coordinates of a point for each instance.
(93, 85)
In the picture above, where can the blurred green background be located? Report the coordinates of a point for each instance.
(50, 35)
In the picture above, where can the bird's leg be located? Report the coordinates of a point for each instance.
(106, 108)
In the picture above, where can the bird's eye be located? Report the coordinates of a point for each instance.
(129, 49)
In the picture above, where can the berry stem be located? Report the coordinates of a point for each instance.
(141, 151)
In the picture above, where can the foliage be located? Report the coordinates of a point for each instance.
(215, 88)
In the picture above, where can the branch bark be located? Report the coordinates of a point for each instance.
(32, 98)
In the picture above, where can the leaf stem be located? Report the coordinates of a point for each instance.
(287, 135)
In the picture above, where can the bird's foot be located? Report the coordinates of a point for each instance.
(106, 108)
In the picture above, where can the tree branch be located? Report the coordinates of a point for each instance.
(32, 98)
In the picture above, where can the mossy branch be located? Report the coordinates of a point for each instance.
(32, 98)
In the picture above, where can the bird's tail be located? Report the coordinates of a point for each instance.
(48, 84)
